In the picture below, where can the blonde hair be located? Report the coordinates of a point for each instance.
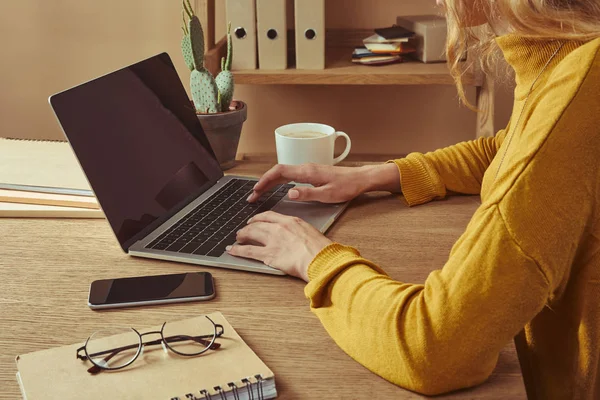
(542, 19)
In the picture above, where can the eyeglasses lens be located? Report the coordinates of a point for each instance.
(189, 339)
(113, 348)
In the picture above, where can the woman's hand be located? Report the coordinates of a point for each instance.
(331, 184)
(286, 243)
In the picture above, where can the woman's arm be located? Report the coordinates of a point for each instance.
(440, 336)
(381, 178)
(421, 177)
(515, 254)
(459, 169)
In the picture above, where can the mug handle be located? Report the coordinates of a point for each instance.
(348, 147)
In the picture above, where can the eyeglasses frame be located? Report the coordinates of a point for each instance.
(96, 368)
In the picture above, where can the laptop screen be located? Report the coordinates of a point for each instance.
(140, 144)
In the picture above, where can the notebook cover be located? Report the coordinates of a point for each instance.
(387, 49)
(19, 210)
(40, 163)
(19, 196)
(362, 52)
(394, 32)
(58, 374)
(378, 39)
(21, 386)
(381, 60)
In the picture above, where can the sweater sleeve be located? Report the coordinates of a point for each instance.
(459, 168)
(440, 336)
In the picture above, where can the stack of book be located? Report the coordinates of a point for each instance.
(43, 179)
(386, 46)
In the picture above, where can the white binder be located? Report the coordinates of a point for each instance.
(272, 34)
(242, 15)
(310, 34)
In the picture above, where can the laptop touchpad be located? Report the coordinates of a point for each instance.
(316, 214)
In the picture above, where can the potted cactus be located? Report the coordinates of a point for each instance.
(221, 117)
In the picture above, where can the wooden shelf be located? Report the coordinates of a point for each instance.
(339, 68)
(341, 71)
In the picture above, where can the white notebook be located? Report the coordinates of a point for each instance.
(40, 163)
(46, 164)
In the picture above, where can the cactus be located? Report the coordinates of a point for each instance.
(204, 92)
(186, 46)
(197, 41)
(209, 95)
(225, 81)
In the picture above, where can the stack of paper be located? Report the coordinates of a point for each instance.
(379, 44)
(364, 56)
(43, 179)
(386, 46)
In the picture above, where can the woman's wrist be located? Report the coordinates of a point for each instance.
(382, 177)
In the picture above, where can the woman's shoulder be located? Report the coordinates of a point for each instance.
(571, 105)
(580, 72)
(565, 107)
(572, 93)
(579, 67)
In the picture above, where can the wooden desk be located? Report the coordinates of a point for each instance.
(48, 265)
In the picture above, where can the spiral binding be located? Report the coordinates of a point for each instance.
(34, 140)
(222, 394)
(234, 389)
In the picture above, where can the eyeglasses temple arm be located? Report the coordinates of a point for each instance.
(94, 369)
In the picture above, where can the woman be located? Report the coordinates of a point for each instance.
(528, 263)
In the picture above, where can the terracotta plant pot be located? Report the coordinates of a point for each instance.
(223, 131)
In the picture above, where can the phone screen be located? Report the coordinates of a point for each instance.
(151, 288)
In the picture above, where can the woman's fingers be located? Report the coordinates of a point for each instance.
(254, 233)
(275, 176)
(307, 173)
(263, 188)
(280, 241)
(251, 240)
(269, 217)
(307, 193)
(248, 251)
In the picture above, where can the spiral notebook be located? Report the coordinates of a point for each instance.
(233, 372)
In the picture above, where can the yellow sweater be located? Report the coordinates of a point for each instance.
(528, 264)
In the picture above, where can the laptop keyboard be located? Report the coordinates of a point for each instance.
(212, 226)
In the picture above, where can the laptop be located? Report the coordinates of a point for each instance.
(152, 169)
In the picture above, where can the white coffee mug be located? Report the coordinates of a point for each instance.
(308, 143)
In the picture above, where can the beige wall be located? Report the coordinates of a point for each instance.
(48, 46)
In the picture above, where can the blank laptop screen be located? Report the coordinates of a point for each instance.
(140, 144)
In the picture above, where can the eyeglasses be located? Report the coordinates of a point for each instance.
(113, 349)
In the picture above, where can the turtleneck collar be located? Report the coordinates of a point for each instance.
(527, 56)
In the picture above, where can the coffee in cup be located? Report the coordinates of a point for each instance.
(309, 143)
(304, 135)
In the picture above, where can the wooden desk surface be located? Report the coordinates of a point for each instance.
(47, 266)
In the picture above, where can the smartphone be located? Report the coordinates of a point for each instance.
(151, 290)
